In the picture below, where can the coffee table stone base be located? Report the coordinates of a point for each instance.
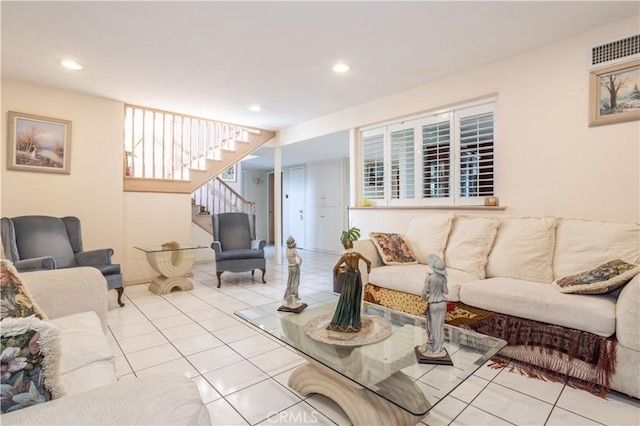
(164, 285)
(172, 265)
(362, 406)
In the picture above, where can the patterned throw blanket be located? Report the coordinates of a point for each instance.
(552, 346)
(549, 352)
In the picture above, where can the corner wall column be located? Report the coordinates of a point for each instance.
(354, 168)
(277, 191)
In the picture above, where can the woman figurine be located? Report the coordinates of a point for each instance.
(346, 318)
(291, 297)
(434, 291)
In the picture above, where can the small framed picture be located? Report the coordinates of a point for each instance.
(229, 175)
(614, 94)
(38, 144)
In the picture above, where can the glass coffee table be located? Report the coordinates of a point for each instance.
(377, 383)
(172, 263)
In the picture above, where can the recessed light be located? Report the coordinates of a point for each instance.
(72, 65)
(341, 68)
(254, 108)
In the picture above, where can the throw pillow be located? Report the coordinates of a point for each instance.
(30, 356)
(581, 244)
(469, 244)
(16, 297)
(523, 249)
(392, 248)
(602, 279)
(427, 234)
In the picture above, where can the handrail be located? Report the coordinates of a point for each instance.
(218, 197)
(177, 153)
(165, 145)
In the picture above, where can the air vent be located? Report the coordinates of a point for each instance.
(616, 51)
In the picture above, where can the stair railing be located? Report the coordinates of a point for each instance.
(218, 197)
(165, 145)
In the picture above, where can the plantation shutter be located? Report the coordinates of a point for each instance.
(436, 157)
(446, 158)
(402, 158)
(476, 152)
(373, 164)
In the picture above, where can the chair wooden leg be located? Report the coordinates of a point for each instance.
(120, 291)
(263, 271)
(218, 273)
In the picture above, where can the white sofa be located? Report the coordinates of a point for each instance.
(507, 265)
(75, 300)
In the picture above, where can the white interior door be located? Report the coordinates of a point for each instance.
(297, 206)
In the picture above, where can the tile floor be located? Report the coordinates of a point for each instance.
(242, 373)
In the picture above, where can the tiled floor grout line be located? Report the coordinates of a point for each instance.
(193, 366)
(269, 376)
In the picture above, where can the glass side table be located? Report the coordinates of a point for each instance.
(172, 263)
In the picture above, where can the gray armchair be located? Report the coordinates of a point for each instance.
(43, 242)
(235, 244)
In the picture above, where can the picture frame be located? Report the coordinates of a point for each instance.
(614, 94)
(229, 175)
(38, 144)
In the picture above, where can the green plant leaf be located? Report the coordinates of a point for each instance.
(352, 234)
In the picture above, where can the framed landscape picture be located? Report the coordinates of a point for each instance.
(614, 94)
(229, 175)
(38, 144)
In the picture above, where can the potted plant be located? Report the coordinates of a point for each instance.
(128, 158)
(352, 234)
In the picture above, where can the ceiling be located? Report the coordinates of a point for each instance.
(213, 59)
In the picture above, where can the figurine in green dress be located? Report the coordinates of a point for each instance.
(346, 318)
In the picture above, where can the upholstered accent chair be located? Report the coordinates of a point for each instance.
(235, 244)
(44, 242)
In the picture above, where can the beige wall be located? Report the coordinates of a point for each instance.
(549, 162)
(151, 219)
(93, 189)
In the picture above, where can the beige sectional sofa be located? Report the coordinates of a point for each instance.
(507, 265)
(75, 302)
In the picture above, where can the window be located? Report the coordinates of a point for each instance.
(439, 159)
(373, 156)
(402, 159)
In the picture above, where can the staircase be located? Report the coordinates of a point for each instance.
(216, 197)
(201, 218)
(173, 153)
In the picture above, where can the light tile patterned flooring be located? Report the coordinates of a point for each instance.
(242, 373)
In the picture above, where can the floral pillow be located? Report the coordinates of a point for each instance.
(16, 299)
(602, 279)
(392, 248)
(30, 358)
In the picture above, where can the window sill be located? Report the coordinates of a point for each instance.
(477, 208)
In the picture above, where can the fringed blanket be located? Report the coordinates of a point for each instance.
(552, 352)
(549, 352)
